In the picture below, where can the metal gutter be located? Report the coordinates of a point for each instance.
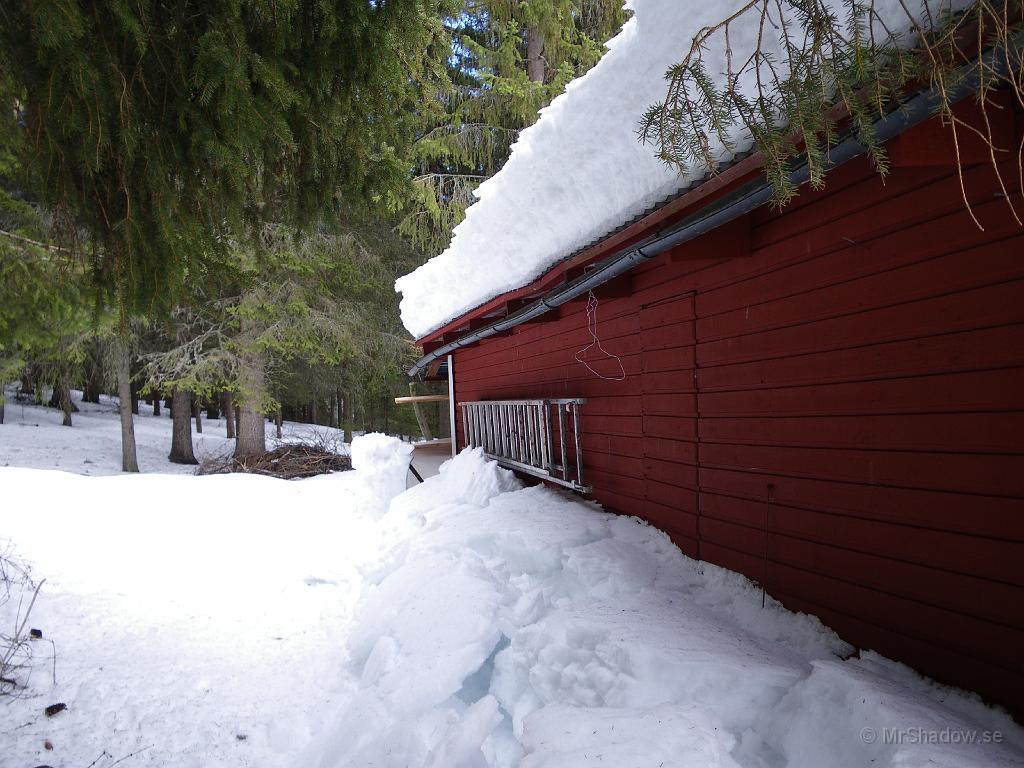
(744, 200)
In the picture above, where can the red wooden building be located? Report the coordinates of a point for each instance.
(827, 398)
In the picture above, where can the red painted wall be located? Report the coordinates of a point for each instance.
(835, 410)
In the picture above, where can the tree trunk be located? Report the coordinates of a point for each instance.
(93, 380)
(252, 432)
(93, 375)
(238, 419)
(65, 404)
(228, 406)
(61, 399)
(181, 429)
(2, 403)
(350, 415)
(156, 403)
(251, 437)
(312, 413)
(135, 399)
(35, 387)
(535, 64)
(197, 414)
(129, 458)
(278, 419)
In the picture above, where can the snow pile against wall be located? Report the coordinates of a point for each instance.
(580, 171)
(509, 626)
(465, 479)
(238, 620)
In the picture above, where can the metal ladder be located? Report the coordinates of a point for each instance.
(538, 437)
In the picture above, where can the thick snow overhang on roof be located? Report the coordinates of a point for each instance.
(740, 189)
(645, 225)
(575, 176)
(578, 176)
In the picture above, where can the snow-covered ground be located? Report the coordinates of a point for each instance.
(32, 436)
(244, 621)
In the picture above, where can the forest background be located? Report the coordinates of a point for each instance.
(207, 206)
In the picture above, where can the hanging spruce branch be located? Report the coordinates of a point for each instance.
(165, 126)
(813, 64)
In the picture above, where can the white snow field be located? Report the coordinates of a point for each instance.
(580, 170)
(32, 436)
(222, 621)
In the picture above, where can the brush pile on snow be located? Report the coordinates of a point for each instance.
(469, 622)
(289, 461)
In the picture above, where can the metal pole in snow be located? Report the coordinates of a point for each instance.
(451, 404)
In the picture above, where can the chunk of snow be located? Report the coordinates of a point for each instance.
(461, 747)
(383, 464)
(437, 618)
(467, 478)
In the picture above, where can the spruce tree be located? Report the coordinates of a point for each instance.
(163, 126)
(47, 321)
(164, 129)
(302, 315)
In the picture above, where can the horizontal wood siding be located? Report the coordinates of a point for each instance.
(837, 413)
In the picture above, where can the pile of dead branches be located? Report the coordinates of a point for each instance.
(291, 461)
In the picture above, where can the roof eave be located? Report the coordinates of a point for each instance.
(713, 207)
(650, 223)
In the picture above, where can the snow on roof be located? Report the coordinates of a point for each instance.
(574, 175)
(580, 171)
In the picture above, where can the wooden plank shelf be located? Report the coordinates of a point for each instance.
(422, 399)
(437, 445)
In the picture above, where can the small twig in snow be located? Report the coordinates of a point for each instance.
(133, 754)
(103, 754)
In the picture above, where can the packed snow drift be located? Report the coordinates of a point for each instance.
(467, 622)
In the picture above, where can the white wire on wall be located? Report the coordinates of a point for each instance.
(596, 342)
